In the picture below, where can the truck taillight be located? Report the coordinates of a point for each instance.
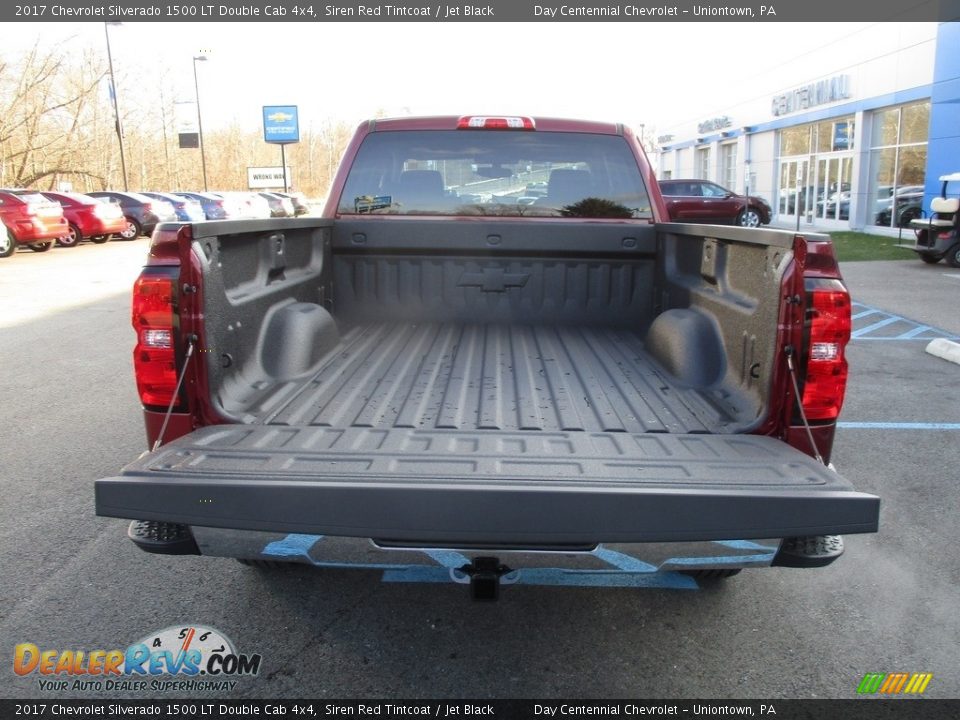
(155, 322)
(829, 333)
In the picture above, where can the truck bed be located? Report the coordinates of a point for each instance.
(439, 384)
(463, 376)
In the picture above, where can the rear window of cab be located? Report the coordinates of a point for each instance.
(495, 173)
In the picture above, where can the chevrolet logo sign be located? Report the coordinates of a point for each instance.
(279, 117)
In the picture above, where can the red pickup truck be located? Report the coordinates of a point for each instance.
(443, 379)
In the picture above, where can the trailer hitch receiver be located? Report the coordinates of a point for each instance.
(485, 574)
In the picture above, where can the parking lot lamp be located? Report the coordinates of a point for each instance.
(116, 108)
(196, 87)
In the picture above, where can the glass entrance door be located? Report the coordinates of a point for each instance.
(832, 185)
(795, 189)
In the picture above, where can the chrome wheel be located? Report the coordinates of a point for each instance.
(71, 240)
(131, 231)
(749, 218)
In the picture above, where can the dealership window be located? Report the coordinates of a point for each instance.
(703, 163)
(816, 166)
(728, 165)
(681, 159)
(795, 140)
(667, 174)
(898, 160)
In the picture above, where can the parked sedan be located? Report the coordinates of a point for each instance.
(141, 212)
(30, 219)
(213, 206)
(244, 204)
(837, 206)
(907, 203)
(298, 199)
(279, 206)
(186, 209)
(88, 218)
(706, 202)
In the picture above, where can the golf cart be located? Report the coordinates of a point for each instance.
(938, 236)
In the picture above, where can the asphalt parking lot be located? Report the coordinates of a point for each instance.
(69, 415)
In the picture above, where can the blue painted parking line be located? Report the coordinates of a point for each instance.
(448, 558)
(293, 545)
(876, 326)
(910, 334)
(623, 561)
(898, 426)
(870, 323)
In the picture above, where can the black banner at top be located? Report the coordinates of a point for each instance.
(482, 11)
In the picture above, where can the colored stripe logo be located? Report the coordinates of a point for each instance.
(894, 683)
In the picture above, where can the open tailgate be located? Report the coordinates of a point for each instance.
(503, 488)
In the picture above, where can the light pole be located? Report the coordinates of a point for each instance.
(116, 108)
(196, 87)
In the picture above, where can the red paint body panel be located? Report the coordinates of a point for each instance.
(84, 214)
(27, 226)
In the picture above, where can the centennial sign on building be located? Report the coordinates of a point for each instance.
(807, 96)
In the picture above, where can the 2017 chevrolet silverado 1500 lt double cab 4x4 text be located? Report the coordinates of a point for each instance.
(434, 378)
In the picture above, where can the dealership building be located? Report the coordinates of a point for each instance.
(846, 136)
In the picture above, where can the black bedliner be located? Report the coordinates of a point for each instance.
(493, 377)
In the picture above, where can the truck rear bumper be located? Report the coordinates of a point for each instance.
(605, 564)
(489, 489)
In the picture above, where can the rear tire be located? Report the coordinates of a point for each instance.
(930, 259)
(953, 256)
(131, 231)
(73, 239)
(7, 244)
(41, 246)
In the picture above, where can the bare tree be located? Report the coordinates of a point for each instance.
(57, 125)
(43, 107)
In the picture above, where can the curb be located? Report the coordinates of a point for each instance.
(946, 349)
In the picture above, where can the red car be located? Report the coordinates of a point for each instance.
(88, 218)
(31, 220)
(701, 201)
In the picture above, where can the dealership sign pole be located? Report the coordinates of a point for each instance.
(281, 127)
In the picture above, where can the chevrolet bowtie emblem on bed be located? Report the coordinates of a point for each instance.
(493, 280)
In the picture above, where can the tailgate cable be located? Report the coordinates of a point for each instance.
(803, 416)
(191, 339)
